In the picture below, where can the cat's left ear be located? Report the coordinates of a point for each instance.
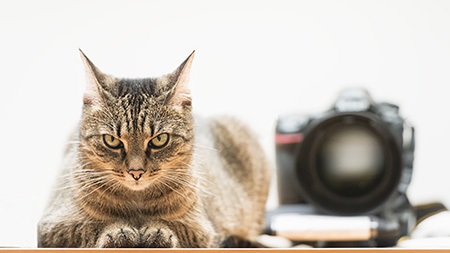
(181, 94)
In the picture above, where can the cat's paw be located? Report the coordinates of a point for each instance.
(119, 237)
(158, 238)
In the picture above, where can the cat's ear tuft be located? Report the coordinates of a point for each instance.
(92, 91)
(181, 94)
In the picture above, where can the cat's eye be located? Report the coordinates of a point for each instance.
(159, 141)
(112, 142)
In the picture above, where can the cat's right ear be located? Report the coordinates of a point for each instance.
(92, 94)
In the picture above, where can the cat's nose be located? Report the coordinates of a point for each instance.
(136, 174)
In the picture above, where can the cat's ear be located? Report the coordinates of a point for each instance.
(92, 93)
(181, 94)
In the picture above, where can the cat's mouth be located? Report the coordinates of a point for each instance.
(139, 184)
(136, 185)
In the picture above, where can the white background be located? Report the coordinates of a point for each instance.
(254, 59)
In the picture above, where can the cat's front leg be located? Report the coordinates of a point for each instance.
(158, 237)
(177, 234)
(64, 233)
(119, 235)
(194, 233)
(122, 235)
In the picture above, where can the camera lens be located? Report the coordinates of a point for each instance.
(350, 161)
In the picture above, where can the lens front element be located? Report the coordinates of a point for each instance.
(350, 161)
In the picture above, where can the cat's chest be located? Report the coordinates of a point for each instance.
(140, 207)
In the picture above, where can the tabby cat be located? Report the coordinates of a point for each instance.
(141, 172)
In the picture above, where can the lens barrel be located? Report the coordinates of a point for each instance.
(348, 163)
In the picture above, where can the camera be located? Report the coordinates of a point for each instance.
(347, 168)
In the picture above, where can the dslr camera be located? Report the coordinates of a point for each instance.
(343, 174)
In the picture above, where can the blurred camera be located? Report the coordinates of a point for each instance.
(343, 174)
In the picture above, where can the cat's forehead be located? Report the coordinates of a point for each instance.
(137, 113)
(127, 87)
(136, 95)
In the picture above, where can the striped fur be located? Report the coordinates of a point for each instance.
(206, 188)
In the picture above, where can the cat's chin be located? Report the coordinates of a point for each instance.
(137, 185)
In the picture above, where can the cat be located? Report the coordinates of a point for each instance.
(142, 171)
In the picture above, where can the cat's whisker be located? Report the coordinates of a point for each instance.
(97, 186)
(199, 174)
(114, 185)
(177, 176)
(177, 179)
(188, 183)
(205, 147)
(186, 173)
(83, 173)
(183, 196)
(83, 185)
(89, 176)
(85, 180)
(80, 174)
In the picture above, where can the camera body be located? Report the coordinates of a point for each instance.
(353, 160)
